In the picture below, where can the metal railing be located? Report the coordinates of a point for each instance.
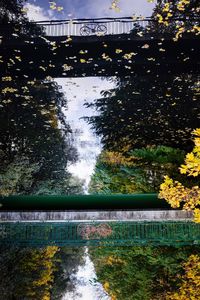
(100, 233)
(107, 26)
(88, 27)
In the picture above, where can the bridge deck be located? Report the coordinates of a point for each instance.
(95, 215)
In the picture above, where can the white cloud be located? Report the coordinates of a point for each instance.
(77, 90)
(127, 8)
(91, 9)
(37, 13)
(101, 8)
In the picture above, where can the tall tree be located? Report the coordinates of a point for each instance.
(140, 170)
(146, 272)
(147, 110)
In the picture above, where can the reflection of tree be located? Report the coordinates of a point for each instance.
(36, 144)
(33, 127)
(137, 273)
(68, 261)
(147, 110)
(38, 274)
(140, 170)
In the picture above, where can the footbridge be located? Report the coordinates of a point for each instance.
(94, 220)
(98, 47)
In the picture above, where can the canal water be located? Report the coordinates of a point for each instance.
(80, 91)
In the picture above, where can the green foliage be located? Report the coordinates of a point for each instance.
(36, 142)
(137, 273)
(37, 273)
(69, 185)
(110, 180)
(160, 154)
(17, 176)
(139, 170)
(147, 111)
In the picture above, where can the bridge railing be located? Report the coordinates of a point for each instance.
(108, 26)
(88, 27)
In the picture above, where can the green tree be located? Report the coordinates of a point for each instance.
(139, 170)
(135, 273)
(147, 111)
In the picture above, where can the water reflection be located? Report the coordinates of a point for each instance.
(79, 91)
(107, 273)
(140, 126)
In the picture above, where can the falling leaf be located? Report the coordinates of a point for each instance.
(145, 46)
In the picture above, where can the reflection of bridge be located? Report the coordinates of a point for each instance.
(108, 47)
(96, 233)
(94, 220)
(108, 26)
(100, 26)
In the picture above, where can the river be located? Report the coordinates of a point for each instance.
(78, 91)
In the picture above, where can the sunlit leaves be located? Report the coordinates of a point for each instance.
(118, 51)
(8, 90)
(129, 55)
(54, 6)
(106, 57)
(176, 11)
(67, 67)
(177, 194)
(6, 78)
(190, 280)
(115, 6)
(192, 160)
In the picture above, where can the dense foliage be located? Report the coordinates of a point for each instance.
(148, 110)
(179, 195)
(139, 170)
(37, 273)
(148, 273)
(36, 142)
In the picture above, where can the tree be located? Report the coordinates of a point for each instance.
(38, 273)
(179, 17)
(139, 170)
(27, 273)
(68, 261)
(33, 126)
(146, 272)
(36, 142)
(175, 192)
(189, 288)
(147, 111)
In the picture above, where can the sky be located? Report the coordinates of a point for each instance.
(78, 91)
(87, 9)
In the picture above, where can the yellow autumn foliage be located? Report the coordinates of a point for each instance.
(111, 260)
(175, 193)
(190, 287)
(116, 158)
(167, 13)
(192, 161)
